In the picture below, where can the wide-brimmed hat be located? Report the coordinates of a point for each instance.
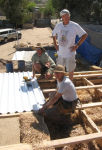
(59, 68)
(39, 46)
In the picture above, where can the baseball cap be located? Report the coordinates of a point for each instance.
(63, 12)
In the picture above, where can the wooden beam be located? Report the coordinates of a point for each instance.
(89, 121)
(22, 146)
(76, 75)
(46, 80)
(98, 92)
(70, 140)
(87, 81)
(91, 124)
(87, 75)
(93, 67)
(89, 105)
(82, 72)
(48, 90)
(88, 72)
(77, 88)
(9, 115)
(88, 87)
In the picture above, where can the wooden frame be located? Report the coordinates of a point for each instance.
(71, 140)
(78, 139)
(97, 134)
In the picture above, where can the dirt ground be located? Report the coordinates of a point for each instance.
(30, 37)
(29, 129)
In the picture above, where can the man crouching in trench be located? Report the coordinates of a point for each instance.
(64, 101)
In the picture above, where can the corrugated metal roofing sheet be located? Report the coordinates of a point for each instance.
(23, 55)
(17, 96)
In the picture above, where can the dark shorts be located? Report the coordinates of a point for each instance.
(65, 106)
(45, 69)
(61, 107)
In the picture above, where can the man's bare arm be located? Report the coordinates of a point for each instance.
(33, 70)
(53, 100)
(82, 39)
(55, 42)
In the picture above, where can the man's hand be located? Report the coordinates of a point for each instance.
(48, 75)
(42, 110)
(47, 64)
(73, 48)
(56, 47)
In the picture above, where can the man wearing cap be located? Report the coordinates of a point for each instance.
(65, 32)
(65, 99)
(42, 63)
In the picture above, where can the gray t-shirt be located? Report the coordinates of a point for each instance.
(67, 89)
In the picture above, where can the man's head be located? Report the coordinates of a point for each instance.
(64, 11)
(65, 15)
(39, 49)
(59, 72)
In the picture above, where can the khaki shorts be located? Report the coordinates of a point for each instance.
(69, 63)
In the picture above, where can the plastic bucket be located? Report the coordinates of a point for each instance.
(9, 66)
(21, 65)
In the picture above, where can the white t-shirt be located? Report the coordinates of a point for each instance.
(66, 35)
(67, 89)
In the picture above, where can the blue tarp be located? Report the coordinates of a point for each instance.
(89, 52)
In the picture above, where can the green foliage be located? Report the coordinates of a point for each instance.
(96, 12)
(59, 4)
(31, 6)
(84, 9)
(17, 11)
(49, 9)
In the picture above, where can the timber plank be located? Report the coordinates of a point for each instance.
(71, 140)
(89, 72)
(87, 75)
(90, 105)
(77, 88)
(17, 147)
(89, 121)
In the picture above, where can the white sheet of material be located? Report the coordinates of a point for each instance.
(23, 55)
(17, 96)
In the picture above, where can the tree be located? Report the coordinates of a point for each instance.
(49, 9)
(16, 10)
(97, 11)
(31, 6)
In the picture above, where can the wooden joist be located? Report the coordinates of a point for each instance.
(88, 87)
(87, 75)
(89, 121)
(76, 75)
(88, 72)
(98, 92)
(87, 82)
(22, 146)
(93, 67)
(71, 140)
(77, 88)
(89, 105)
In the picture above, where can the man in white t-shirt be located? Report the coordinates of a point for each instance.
(65, 99)
(65, 32)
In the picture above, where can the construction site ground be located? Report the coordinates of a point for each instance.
(32, 128)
